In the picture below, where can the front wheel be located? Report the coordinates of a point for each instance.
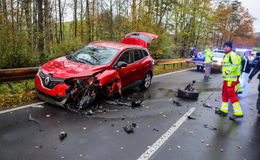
(146, 81)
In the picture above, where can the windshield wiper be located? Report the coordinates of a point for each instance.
(85, 61)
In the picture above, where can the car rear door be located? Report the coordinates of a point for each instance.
(141, 64)
(139, 38)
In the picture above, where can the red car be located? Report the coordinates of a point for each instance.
(99, 68)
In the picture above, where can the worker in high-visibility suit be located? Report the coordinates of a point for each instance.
(208, 61)
(231, 70)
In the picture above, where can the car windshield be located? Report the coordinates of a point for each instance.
(218, 55)
(94, 55)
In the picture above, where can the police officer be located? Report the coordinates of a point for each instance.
(253, 73)
(208, 61)
(231, 70)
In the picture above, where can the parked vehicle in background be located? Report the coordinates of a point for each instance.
(218, 56)
(99, 68)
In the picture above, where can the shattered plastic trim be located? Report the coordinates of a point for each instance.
(163, 139)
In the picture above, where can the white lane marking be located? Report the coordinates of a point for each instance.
(163, 139)
(22, 107)
(173, 72)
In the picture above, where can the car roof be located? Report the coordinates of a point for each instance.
(115, 45)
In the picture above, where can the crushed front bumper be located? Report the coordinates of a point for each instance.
(56, 100)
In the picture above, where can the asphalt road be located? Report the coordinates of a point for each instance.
(163, 131)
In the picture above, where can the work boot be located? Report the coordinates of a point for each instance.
(234, 117)
(239, 92)
(221, 113)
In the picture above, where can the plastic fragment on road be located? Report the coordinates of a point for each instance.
(47, 115)
(179, 147)
(156, 130)
(191, 118)
(239, 147)
(176, 103)
(129, 128)
(207, 105)
(63, 135)
(210, 127)
(32, 119)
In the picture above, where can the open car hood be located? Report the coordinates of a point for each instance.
(139, 38)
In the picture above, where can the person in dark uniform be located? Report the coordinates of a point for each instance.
(252, 74)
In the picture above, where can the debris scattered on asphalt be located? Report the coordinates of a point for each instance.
(179, 147)
(32, 119)
(156, 130)
(121, 148)
(208, 145)
(123, 117)
(134, 125)
(63, 135)
(133, 103)
(84, 128)
(117, 131)
(89, 112)
(216, 100)
(207, 105)
(190, 132)
(47, 115)
(137, 103)
(37, 147)
(191, 118)
(164, 116)
(221, 150)
(176, 103)
(112, 125)
(81, 155)
(210, 127)
(239, 147)
(202, 140)
(129, 128)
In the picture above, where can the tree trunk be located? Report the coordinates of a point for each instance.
(41, 31)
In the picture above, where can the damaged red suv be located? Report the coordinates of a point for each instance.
(99, 68)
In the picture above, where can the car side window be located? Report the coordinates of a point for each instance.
(138, 54)
(126, 57)
(145, 53)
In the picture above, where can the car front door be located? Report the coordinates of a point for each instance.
(126, 73)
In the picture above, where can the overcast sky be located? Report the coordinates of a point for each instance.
(254, 9)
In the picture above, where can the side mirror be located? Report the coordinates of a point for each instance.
(121, 64)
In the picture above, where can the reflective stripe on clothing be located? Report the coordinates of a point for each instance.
(237, 109)
(224, 107)
(230, 76)
(230, 65)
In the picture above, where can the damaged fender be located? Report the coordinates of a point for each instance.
(110, 81)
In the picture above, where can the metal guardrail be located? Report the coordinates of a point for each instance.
(16, 74)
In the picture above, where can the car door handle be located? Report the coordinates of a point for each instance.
(133, 70)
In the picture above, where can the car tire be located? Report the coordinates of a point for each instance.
(146, 81)
(198, 68)
(188, 94)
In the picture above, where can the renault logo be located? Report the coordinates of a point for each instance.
(47, 80)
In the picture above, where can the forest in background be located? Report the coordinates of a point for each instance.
(34, 31)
